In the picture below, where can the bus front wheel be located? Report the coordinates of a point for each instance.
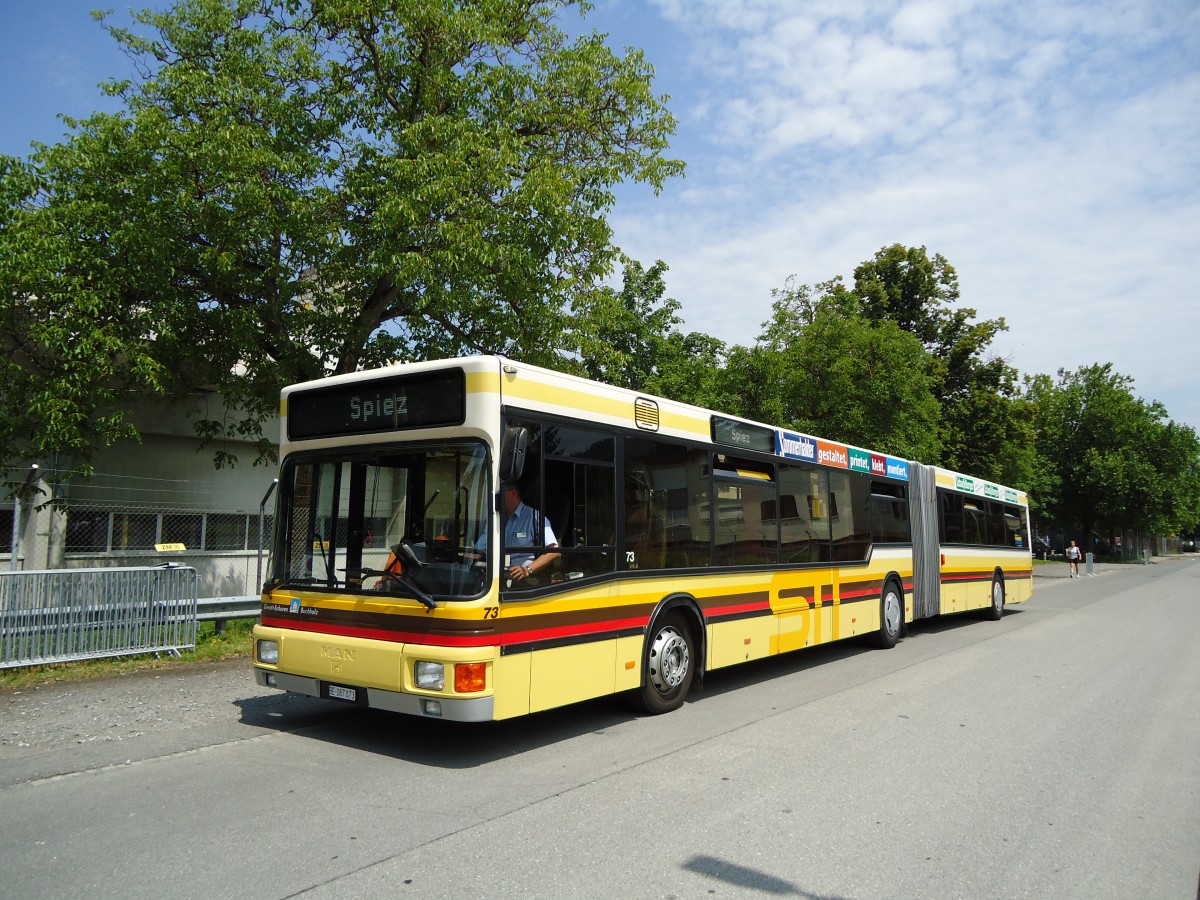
(668, 665)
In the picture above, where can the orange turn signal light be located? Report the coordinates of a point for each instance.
(470, 678)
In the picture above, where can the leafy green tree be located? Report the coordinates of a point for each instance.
(1179, 452)
(620, 334)
(1081, 418)
(904, 285)
(1155, 489)
(305, 188)
(1119, 464)
(690, 369)
(988, 428)
(822, 367)
(983, 423)
(72, 347)
(1044, 481)
(631, 338)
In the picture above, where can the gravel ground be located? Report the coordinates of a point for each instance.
(124, 707)
(55, 730)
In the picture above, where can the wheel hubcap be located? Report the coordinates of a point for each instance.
(891, 612)
(669, 660)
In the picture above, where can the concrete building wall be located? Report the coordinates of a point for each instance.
(163, 490)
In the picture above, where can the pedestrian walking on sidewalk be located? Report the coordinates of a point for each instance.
(1073, 556)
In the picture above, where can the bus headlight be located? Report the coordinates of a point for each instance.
(431, 676)
(268, 652)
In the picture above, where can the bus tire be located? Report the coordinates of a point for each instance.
(995, 612)
(891, 615)
(668, 664)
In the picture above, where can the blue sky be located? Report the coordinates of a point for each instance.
(1050, 151)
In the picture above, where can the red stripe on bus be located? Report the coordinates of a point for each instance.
(861, 593)
(446, 640)
(543, 634)
(735, 608)
(377, 634)
(966, 576)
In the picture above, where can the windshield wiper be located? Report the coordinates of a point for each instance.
(429, 602)
(400, 578)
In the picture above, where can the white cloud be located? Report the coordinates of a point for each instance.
(923, 22)
(1050, 152)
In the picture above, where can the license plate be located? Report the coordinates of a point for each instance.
(337, 692)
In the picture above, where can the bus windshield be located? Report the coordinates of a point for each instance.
(407, 521)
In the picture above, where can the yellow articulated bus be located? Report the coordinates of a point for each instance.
(476, 539)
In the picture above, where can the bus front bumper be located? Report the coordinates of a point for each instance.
(464, 709)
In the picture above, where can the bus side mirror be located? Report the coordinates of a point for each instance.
(512, 454)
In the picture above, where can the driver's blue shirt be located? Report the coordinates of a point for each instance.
(519, 530)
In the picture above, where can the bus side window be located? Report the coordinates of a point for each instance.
(580, 492)
(974, 523)
(997, 528)
(889, 513)
(666, 506)
(581, 508)
(851, 515)
(804, 526)
(951, 519)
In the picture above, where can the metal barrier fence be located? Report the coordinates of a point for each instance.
(71, 614)
(225, 609)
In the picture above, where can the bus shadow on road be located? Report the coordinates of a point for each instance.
(427, 741)
(955, 621)
(760, 671)
(455, 745)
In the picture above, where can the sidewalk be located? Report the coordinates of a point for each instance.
(1058, 570)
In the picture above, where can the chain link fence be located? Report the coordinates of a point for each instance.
(222, 546)
(213, 524)
(106, 529)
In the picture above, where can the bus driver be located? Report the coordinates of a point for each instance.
(520, 524)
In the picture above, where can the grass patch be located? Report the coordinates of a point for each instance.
(232, 643)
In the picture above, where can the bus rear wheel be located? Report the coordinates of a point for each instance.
(891, 616)
(668, 665)
(995, 612)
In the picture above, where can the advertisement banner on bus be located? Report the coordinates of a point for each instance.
(796, 446)
(830, 454)
(981, 488)
(791, 445)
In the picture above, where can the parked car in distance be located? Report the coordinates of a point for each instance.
(1041, 550)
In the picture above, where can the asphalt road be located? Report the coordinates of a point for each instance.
(1053, 754)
